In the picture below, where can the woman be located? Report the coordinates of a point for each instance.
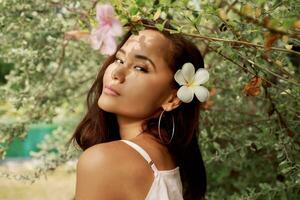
(140, 139)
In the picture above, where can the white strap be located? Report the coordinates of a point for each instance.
(142, 152)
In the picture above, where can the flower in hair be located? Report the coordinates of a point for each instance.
(190, 83)
(108, 27)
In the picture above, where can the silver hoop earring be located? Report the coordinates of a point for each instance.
(173, 130)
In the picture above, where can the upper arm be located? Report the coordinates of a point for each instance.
(95, 175)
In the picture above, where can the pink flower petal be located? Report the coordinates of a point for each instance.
(109, 27)
(104, 14)
(116, 28)
(109, 45)
(97, 36)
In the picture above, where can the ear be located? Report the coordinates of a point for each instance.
(172, 101)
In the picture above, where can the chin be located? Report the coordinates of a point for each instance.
(106, 104)
(112, 106)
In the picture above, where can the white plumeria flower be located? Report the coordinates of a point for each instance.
(190, 82)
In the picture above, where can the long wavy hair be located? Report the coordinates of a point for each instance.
(99, 126)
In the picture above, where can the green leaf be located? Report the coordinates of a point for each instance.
(174, 31)
(140, 2)
(160, 27)
(287, 170)
(133, 10)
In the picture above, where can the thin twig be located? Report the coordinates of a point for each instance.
(254, 74)
(282, 121)
(268, 60)
(58, 69)
(251, 123)
(255, 21)
(226, 40)
(269, 71)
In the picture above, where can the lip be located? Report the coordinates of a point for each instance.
(110, 91)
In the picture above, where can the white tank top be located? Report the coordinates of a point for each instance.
(167, 184)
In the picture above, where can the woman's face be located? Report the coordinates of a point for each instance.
(140, 77)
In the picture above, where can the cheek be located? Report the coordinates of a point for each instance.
(154, 91)
(105, 102)
(147, 94)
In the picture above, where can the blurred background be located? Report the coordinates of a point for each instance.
(249, 126)
(22, 176)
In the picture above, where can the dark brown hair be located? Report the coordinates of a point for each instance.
(99, 126)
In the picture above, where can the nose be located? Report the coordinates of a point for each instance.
(118, 74)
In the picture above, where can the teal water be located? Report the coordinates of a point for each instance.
(36, 134)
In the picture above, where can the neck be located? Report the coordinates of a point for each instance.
(129, 128)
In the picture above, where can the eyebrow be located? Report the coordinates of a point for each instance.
(140, 57)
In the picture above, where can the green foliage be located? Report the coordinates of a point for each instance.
(249, 130)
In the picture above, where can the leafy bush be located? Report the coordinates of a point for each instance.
(250, 125)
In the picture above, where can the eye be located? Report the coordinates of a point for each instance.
(119, 61)
(139, 68)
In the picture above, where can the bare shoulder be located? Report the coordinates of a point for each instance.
(99, 169)
(107, 170)
(100, 153)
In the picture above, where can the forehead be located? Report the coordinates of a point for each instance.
(151, 43)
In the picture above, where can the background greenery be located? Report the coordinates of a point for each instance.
(250, 125)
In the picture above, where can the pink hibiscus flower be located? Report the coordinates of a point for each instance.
(103, 37)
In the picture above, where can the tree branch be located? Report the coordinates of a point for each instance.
(225, 40)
